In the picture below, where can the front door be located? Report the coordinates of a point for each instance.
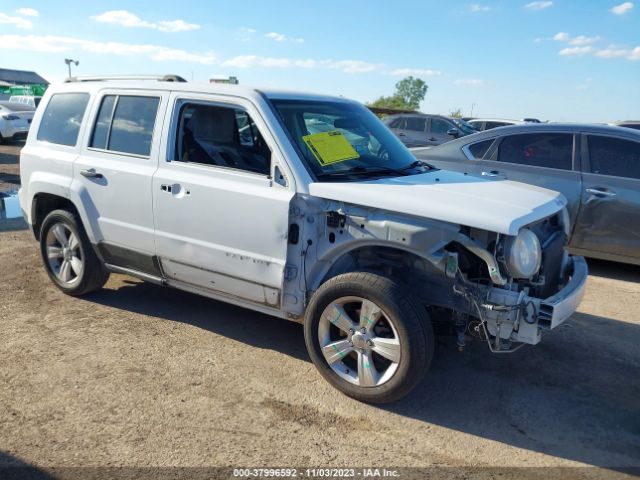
(609, 220)
(221, 222)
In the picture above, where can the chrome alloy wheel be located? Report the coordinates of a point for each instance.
(64, 254)
(359, 341)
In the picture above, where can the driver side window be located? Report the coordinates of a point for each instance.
(222, 137)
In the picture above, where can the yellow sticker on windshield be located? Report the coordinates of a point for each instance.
(330, 147)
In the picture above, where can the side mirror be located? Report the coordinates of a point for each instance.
(454, 132)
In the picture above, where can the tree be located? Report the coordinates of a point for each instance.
(412, 91)
(408, 95)
(457, 113)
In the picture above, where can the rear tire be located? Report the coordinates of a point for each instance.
(68, 256)
(367, 337)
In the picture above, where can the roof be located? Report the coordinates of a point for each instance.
(21, 77)
(455, 145)
(193, 87)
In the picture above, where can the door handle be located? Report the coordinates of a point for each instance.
(175, 189)
(433, 139)
(600, 193)
(493, 174)
(90, 173)
(402, 134)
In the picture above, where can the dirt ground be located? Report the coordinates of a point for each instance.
(145, 376)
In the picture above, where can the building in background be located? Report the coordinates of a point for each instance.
(21, 82)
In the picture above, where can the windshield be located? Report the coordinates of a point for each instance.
(344, 139)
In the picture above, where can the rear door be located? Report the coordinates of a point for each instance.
(609, 220)
(221, 221)
(438, 128)
(546, 159)
(114, 172)
(415, 131)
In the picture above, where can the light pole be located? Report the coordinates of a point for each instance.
(472, 107)
(69, 61)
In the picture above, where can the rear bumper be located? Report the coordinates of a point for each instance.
(15, 132)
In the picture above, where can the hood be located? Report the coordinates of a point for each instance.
(501, 206)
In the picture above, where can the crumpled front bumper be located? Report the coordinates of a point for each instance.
(557, 308)
(527, 323)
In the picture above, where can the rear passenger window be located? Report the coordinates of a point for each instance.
(479, 149)
(221, 136)
(416, 124)
(551, 150)
(125, 124)
(614, 156)
(62, 118)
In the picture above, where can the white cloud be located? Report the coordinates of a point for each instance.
(58, 44)
(248, 61)
(404, 72)
(281, 37)
(575, 51)
(351, 66)
(470, 82)
(622, 8)
(583, 40)
(475, 7)
(278, 37)
(18, 22)
(176, 26)
(27, 12)
(125, 18)
(627, 53)
(580, 40)
(347, 66)
(538, 5)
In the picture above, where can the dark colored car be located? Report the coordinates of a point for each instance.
(596, 167)
(419, 130)
(635, 124)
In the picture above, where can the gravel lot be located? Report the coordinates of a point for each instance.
(141, 375)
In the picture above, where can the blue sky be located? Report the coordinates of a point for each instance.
(560, 60)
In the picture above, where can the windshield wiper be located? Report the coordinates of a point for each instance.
(364, 170)
(418, 163)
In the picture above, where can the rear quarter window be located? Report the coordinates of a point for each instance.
(62, 118)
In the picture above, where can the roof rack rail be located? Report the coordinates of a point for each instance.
(158, 78)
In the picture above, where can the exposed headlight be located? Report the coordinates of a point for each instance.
(523, 254)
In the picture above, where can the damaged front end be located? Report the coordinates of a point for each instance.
(515, 287)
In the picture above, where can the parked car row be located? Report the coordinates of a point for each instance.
(596, 167)
(416, 129)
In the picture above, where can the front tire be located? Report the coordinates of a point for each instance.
(68, 256)
(367, 337)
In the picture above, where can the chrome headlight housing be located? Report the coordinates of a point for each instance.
(523, 254)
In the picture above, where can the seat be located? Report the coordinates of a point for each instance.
(210, 137)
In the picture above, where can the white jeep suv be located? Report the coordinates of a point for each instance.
(304, 207)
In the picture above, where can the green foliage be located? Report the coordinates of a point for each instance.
(409, 93)
(412, 91)
(457, 113)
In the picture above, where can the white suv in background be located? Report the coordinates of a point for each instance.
(303, 207)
